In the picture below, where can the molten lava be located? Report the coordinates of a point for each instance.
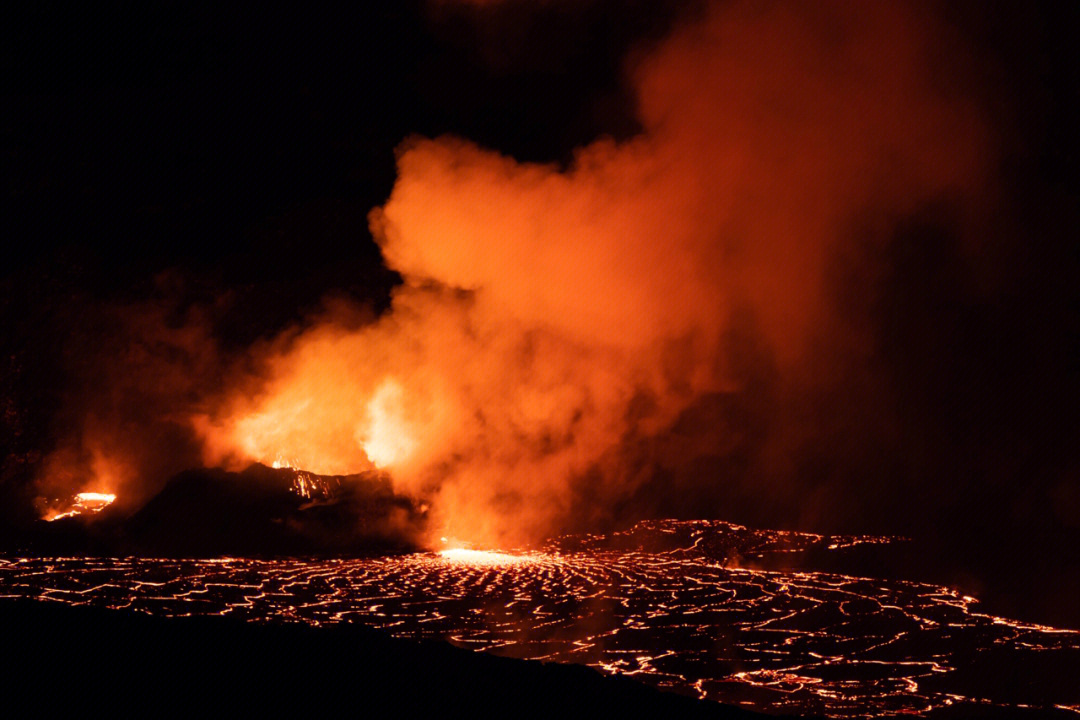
(466, 556)
(556, 323)
(659, 602)
(82, 503)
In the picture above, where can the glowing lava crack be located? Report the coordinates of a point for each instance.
(82, 503)
(665, 611)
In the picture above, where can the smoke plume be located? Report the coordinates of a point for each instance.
(558, 326)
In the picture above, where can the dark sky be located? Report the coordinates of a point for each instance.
(135, 140)
(239, 151)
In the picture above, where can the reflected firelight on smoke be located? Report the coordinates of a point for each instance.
(556, 322)
(387, 439)
(550, 317)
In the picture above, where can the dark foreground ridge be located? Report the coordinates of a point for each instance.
(115, 661)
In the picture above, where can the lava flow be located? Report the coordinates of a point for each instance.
(480, 557)
(663, 602)
(82, 503)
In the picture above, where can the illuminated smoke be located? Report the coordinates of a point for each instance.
(136, 372)
(556, 324)
(551, 315)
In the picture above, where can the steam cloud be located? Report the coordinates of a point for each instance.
(568, 337)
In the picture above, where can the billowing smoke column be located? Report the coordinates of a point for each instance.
(552, 317)
(569, 338)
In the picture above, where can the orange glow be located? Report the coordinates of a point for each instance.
(551, 315)
(466, 556)
(630, 611)
(84, 502)
(94, 499)
(387, 438)
(555, 322)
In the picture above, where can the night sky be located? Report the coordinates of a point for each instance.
(225, 161)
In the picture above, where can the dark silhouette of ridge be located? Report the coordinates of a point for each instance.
(259, 512)
(130, 664)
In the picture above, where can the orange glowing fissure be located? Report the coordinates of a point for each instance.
(84, 502)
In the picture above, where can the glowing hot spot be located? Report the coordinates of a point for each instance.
(94, 500)
(387, 439)
(465, 556)
(84, 502)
